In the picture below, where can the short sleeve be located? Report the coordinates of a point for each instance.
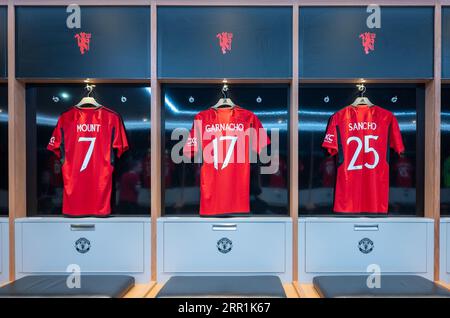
(56, 140)
(395, 136)
(120, 141)
(260, 139)
(192, 144)
(330, 141)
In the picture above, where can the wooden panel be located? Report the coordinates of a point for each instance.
(433, 142)
(290, 291)
(155, 290)
(155, 141)
(306, 290)
(443, 284)
(140, 290)
(299, 2)
(293, 144)
(16, 143)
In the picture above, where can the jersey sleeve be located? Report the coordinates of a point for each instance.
(120, 141)
(192, 144)
(260, 139)
(56, 140)
(395, 136)
(330, 141)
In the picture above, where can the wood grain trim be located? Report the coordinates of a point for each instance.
(220, 80)
(293, 142)
(155, 142)
(16, 143)
(433, 141)
(155, 290)
(82, 81)
(293, 2)
(140, 290)
(443, 284)
(368, 81)
(224, 2)
(82, 2)
(306, 290)
(290, 291)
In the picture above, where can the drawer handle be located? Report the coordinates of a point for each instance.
(82, 227)
(366, 227)
(224, 227)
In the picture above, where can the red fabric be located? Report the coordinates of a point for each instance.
(128, 183)
(277, 179)
(54, 165)
(224, 135)
(328, 170)
(404, 172)
(146, 171)
(362, 136)
(88, 180)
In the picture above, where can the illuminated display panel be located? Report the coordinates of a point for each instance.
(44, 105)
(317, 171)
(181, 182)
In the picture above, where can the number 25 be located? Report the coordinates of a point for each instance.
(367, 149)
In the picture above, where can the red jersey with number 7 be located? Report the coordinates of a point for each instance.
(361, 136)
(225, 136)
(87, 140)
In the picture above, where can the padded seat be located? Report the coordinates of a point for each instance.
(92, 286)
(391, 286)
(223, 286)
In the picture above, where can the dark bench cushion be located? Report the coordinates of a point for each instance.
(223, 286)
(107, 286)
(391, 286)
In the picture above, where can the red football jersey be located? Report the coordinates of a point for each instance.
(361, 136)
(404, 172)
(225, 136)
(328, 170)
(85, 139)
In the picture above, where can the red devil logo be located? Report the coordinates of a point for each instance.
(83, 40)
(225, 39)
(368, 41)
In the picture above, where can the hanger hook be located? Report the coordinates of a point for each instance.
(225, 90)
(362, 88)
(89, 88)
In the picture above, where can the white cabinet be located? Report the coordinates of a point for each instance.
(330, 246)
(217, 246)
(4, 250)
(119, 245)
(444, 274)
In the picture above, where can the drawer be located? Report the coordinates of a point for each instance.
(224, 247)
(99, 247)
(350, 247)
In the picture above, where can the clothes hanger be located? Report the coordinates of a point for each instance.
(362, 100)
(88, 100)
(225, 100)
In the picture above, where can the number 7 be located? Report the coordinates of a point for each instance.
(89, 152)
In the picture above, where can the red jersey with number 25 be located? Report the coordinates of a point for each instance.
(361, 136)
(225, 136)
(86, 140)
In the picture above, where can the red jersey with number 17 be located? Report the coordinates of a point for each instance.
(361, 136)
(225, 136)
(86, 140)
